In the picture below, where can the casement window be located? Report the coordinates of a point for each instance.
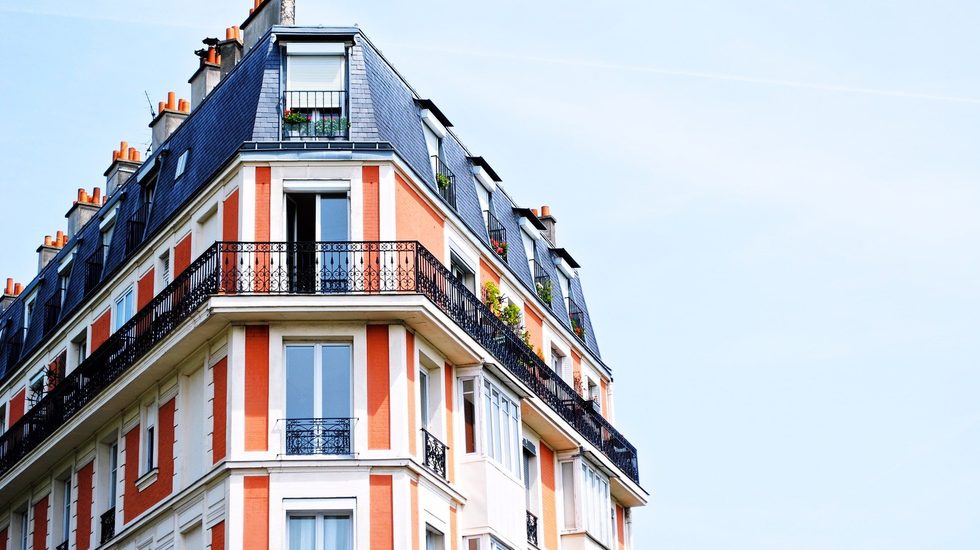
(462, 272)
(564, 284)
(320, 531)
(558, 362)
(63, 507)
(434, 539)
(528, 249)
(319, 402)
(594, 393)
(3, 418)
(64, 276)
(181, 164)
(107, 233)
(315, 102)
(29, 311)
(586, 499)
(24, 536)
(497, 545)
(113, 477)
(424, 396)
(498, 420)
(125, 309)
(79, 350)
(207, 229)
(469, 414)
(148, 441)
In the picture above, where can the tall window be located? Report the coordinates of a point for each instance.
(322, 531)
(107, 240)
(125, 306)
(318, 381)
(3, 418)
(502, 423)
(63, 277)
(315, 98)
(29, 311)
(65, 509)
(563, 283)
(165, 269)
(113, 476)
(79, 349)
(462, 272)
(596, 504)
(149, 438)
(434, 539)
(558, 362)
(25, 533)
(469, 414)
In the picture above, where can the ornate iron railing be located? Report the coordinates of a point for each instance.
(445, 181)
(314, 115)
(498, 235)
(435, 454)
(137, 227)
(93, 266)
(297, 268)
(532, 529)
(107, 526)
(319, 436)
(577, 319)
(542, 282)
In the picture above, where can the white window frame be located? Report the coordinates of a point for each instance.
(320, 508)
(181, 164)
(502, 426)
(149, 438)
(318, 374)
(127, 300)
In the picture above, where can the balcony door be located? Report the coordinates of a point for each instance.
(319, 405)
(317, 230)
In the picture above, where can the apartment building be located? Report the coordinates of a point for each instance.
(311, 318)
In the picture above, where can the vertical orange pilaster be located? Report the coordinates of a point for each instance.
(218, 536)
(620, 527)
(263, 226)
(256, 513)
(411, 376)
(549, 508)
(450, 432)
(83, 509)
(378, 388)
(382, 534)
(415, 514)
(257, 388)
(219, 411)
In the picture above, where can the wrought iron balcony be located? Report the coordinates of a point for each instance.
(52, 312)
(319, 436)
(107, 524)
(93, 273)
(542, 282)
(445, 181)
(314, 115)
(498, 235)
(435, 454)
(577, 319)
(136, 228)
(302, 268)
(532, 529)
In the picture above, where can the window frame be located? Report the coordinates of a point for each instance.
(319, 516)
(318, 373)
(126, 299)
(181, 167)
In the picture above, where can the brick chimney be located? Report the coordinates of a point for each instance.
(549, 222)
(264, 16)
(125, 162)
(207, 75)
(172, 114)
(85, 207)
(230, 50)
(9, 294)
(47, 251)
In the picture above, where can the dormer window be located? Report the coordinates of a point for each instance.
(315, 102)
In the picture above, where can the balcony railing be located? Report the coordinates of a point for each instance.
(445, 181)
(435, 454)
(577, 319)
(107, 524)
(532, 529)
(319, 436)
(498, 235)
(542, 282)
(52, 312)
(93, 273)
(137, 228)
(303, 268)
(314, 115)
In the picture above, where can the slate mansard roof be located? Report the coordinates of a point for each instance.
(243, 113)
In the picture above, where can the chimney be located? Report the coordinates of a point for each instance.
(85, 207)
(9, 295)
(207, 75)
(264, 16)
(172, 113)
(230, 50)
(549, 222)
(47, 251)
(125, 162)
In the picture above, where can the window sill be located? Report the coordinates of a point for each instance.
(147, 479)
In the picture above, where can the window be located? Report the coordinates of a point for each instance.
(207, 229)
(36, 388)
(113, 476)
(594, 393)
(424, 396)
(563, 284)
(79, 349)
(181, 164)
(64, 276)
(149, 438)
(434, 539)
(318, 381)
(315, 98)
(64, 497)
(530, 476)
(125, 305)
(29, 311)
(568, 493)
(596, 504)
(107, 240)
(484, 196)
(469, 414)
(165, 269)
(24, 530)
(558, 362)
(325, 531)
(497, 545)
(528, 249)
(462, 272)
(3, 418)
(502, 427)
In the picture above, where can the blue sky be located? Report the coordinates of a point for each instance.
(775, 204)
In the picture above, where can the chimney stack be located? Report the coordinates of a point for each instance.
(9, 295)
(125, 162)
(47, 251)
(549, 222)
(230, 50)
(171, 115)
(207, 75)
(264, 16)
(84, 208)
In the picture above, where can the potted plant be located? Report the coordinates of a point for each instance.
(443, 181)
(500, 247)
(296, 123)
(578, 329)
(544, 290)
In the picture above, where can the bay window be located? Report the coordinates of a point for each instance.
(586, 500)
(500, 423)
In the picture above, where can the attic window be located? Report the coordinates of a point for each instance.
(315, 100)
(182, 164)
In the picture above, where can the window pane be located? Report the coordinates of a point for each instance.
(469, 416)
(568, 493)
(337, 533)
(333, 218)
(302, 533)
(336, 382)
(424, 397)
(299, 382)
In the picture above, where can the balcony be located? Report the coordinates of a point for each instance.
(232, 269)
(498, 235)
(93, 273)
(319, 436)
(107, 526)
(314, 115)
(136, 228)
(435, 454)
(532, 529)
(52, 312)
(576, 316)
(542, 282)
(445, 181)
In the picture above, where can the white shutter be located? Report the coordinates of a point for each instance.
(315, 73)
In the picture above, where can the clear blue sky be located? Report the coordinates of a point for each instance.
(776, 205)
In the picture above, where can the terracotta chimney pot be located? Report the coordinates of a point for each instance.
(10, 286)
(172, 101)
(18, 288)
(545, 210)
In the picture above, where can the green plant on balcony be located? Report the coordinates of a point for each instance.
(544, 289)
(578, 329)
(294, 117)
(443, 181)
(511, 316)
(493, 298)
(331, 126)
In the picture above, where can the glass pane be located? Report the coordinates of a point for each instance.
(424, 397)
(336, 382)
(302, 533)
(333, 218)
(469, 416)
(299, 382)
(337, 533)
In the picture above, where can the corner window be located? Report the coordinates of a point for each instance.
(502, 427)
(586, 499)
(124, 310)
(181, 164)
(469, 414)
(321, 531)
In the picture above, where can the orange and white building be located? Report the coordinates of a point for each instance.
(309, 319)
